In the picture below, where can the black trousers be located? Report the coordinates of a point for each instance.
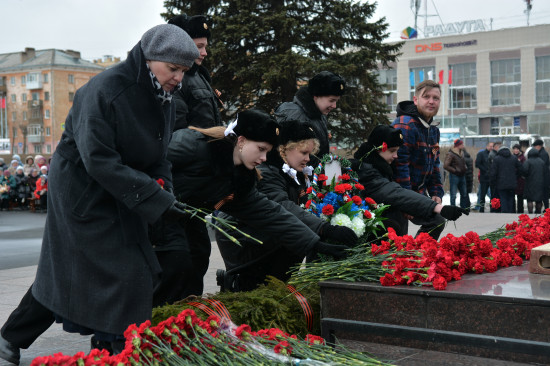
(176, 269)
(27, 322)
(433, 226)
(200, 247)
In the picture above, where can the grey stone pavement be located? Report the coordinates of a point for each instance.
(21, 231)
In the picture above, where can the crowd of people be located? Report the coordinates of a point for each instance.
(144, 147)
(24, 185)
(511, 175)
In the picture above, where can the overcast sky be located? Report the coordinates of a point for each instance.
(112, 27)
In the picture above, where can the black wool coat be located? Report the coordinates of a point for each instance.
(482, 163)
(304, 109)
(375, 174)
(96, 265)
(504, 169)
(535, 177)
(204, 174)
(196, 103)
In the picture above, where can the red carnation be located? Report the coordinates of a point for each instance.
(439, 283)
(328, 210)
(359, 186)
(356, 199)
(384, 147)
(322, 177)
(308, 191)
(344, 177)
(495, 203)
(369, 201)
(367, 214)
(339, 188)
(160, 181)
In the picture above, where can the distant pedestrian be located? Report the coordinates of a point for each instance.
(456, 166)
(491, 158)
(516, 150)
(543, 154)
(535, 180)
(482, 163)
(504, 173)
(469, 179)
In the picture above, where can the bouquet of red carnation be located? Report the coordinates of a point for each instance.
(339, 200)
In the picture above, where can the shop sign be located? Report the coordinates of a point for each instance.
(454, 28)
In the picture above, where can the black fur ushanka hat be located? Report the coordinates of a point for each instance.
(196, 26)
(294, 131)
(257, 125)
(326, 83)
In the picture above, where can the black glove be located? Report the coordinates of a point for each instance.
(340, 234)
(453, 212)
(337, 251)
(176, 212)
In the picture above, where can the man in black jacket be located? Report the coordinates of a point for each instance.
(482, 163)
(539, 145)
(197, 104)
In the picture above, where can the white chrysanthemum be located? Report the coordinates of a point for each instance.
(341, 220)
(358, 226)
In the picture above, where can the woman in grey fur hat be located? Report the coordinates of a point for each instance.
(97, 268)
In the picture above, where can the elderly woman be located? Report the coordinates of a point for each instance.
(96, 267)
(215, 168)
(285, 180)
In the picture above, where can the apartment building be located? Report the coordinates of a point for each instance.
(37, 88)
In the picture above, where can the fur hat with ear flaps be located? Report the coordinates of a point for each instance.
(196, 26)
(294, 131)
(257, 125)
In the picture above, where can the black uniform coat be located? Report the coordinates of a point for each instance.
(204, 174)
(376, 175)
(535, 177)
(281, 188)
(196, 103)
(96, 265)
(304, 109)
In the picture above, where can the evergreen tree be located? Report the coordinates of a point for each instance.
(262, 49)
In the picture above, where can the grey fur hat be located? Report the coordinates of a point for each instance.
(169, 43)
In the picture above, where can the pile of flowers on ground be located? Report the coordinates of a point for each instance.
(339, 201)
(187, 340)
(404, 260)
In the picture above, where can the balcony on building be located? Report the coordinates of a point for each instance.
(35, 114)
(34, 81)
(35, 134)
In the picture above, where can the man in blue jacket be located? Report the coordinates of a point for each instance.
(417, 165)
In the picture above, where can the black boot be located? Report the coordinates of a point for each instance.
(220, 279)
(9, 352)
(94, 343)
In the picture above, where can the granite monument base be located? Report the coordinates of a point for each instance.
(502, 315)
